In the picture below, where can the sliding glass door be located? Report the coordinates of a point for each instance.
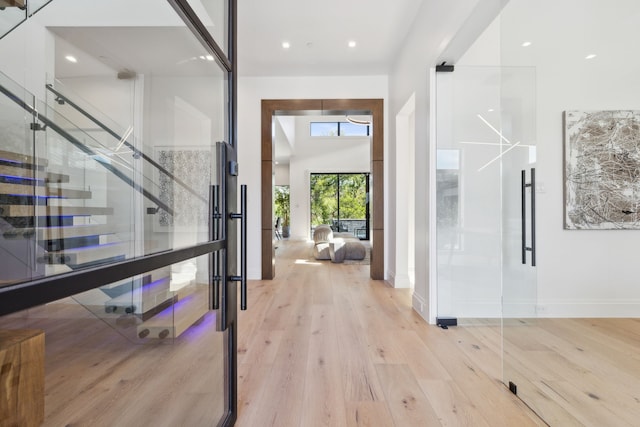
(342, 201)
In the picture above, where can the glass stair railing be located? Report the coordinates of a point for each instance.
(116, 137)
(70, 200)
(15, 12)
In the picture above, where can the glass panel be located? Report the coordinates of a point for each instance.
(12, 14)
(143, 351)
(214, 14)
(341, 201)
(519, 275)
(21, 175)
(351, 129)
(123, 145)
(282, 210)
(353, 204)
(324, 199)
(324, 128)
(36, 5)
(468, 193)
(573, 355)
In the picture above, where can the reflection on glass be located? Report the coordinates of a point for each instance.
(468, 217)
(36, 5)
(109, 146)
(214, 14)
(12, 14)
(448, 198)
(141, 351)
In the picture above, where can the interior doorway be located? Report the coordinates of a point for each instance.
(372, 107)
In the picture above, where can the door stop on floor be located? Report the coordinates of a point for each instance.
(445, 322)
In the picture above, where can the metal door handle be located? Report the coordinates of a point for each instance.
(242, 216)
(523, 194)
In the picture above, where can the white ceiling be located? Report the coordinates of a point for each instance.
(319, 33)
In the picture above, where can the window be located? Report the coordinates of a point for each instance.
(341, 200)
(338, 129)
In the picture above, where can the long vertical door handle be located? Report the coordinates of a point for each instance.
(523, 195)
(533, 217)
(242, 216)
(214, 234)
(523, 215)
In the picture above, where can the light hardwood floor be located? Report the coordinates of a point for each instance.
(324, 345)
(573, 372)
(98, 374)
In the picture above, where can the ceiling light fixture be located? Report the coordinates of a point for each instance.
(71, 58)
(358, 122)
(286, 45)
(352, 43)
(590, 56)
(526, 44)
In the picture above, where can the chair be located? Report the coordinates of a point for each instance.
(278, 228)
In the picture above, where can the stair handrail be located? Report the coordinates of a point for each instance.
(136, 152)
(77, 143)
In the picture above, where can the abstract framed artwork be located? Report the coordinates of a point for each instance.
(602, 170)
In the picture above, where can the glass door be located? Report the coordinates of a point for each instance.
(519, 277)
(341, 200)
(468, 194)
(485, 221)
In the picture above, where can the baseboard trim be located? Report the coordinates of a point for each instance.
(421, 307)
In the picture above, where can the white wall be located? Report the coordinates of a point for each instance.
(251, 90)
(436, 24)
(581, 273)
(282, 175)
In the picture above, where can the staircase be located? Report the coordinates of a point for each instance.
(69, 204)
(33, 205)
(44, 215)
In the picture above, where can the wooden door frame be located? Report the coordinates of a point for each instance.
(373, 107)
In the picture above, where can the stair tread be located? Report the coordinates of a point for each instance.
(22, 158)
(84, 255)
(65, 232)
(179, 317)
(30, 173)
(30, 210)
(30, 190)
(139, 292)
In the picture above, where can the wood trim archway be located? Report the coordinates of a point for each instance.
(373, 107)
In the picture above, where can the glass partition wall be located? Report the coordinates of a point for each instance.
(556, 270)
(113, 166)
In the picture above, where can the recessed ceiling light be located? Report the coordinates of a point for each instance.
(590, 56)
(526, 44)
(352, 43)
(286, 45)
(71, 58)
(209, 57)
(491, 110)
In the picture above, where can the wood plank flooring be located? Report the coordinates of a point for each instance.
(572, 372)
(324, 345)
(98, 374)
